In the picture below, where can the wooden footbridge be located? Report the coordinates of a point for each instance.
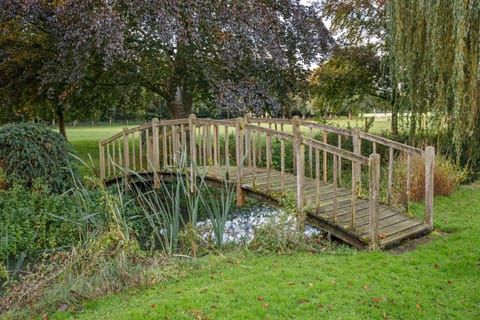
(335, 174)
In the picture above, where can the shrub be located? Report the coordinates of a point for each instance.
(447, 177)
(29, 151)
(32, 221)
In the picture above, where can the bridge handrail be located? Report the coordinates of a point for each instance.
(141, 146)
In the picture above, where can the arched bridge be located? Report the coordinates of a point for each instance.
(335, 174)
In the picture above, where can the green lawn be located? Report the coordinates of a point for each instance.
(438, 279)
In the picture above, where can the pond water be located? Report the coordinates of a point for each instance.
(242, 223)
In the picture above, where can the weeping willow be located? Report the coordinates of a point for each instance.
(434, 48)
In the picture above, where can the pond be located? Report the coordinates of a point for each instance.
(242, 223)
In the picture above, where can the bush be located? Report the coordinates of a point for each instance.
(32, 221)
(29, 151)
(447, 177)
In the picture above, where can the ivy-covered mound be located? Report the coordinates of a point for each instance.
(31, 151)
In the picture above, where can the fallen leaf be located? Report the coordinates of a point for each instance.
(349, 284)
(310, 285)
(418, 307)
(376, 299)
(320, 305)
(450, 282)
(302, 301)
(382, 235)
(366, 287)
(265, 305)
(153, 305)
(291, 283)
(437, 266)
(260, 298)
(45, 316)
(334, 281)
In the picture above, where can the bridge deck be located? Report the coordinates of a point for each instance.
(394, 225)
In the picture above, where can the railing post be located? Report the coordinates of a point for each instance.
(102, 160)
(300, 166)
(357, 149)
(156, 153)
(429, 184)
(193, 151)
(239, 126)
(374, 186)
(126, 157)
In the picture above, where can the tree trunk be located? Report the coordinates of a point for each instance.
(394, 113)
(61, 122)
(180, 106)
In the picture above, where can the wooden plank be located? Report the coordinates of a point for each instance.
(374, 193)
(429, 186)
(390, 143)
(412, 232)
(334, 150)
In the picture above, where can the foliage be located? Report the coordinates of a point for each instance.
(424, 279)
(447, 178)
(75, 57)
(103, 265)
(217, 208)
(30, 151)
(356, 22)
(35, 221)
(349, 82)
(434, 63)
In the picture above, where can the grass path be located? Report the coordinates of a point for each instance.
(437, 280)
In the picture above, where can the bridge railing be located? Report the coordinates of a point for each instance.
(363, 144)
(231, 147)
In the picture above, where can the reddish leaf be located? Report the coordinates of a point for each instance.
(419, 307)
(260, 298)
(366, 287)
(153, 305)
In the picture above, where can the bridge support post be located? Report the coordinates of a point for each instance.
(374, 186)
(300, 168)
(193, 152)
(102, 160)
(429, 184)
(155, 153)
(239, 155)
(357, 149)
(126, 158)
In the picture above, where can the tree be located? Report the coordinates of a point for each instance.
(244, 55)
(349, 81)
(47, 50)
(435, 63)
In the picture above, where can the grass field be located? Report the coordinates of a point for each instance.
(437, 279)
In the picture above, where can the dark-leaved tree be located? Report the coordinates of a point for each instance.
(244, 55)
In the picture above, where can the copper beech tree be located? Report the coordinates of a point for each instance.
(237, 55)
